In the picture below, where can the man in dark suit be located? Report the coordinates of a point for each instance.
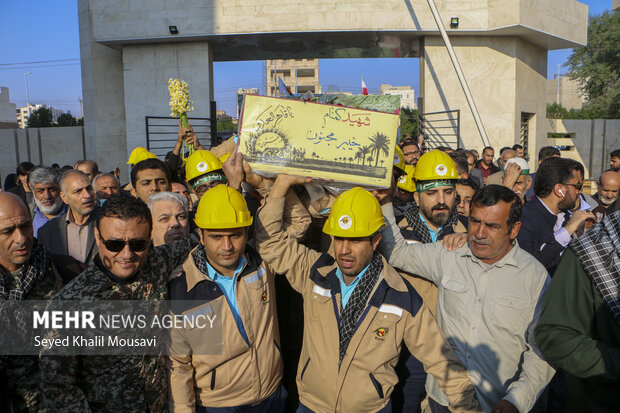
(73, 233)
(22, 189)
(547, 226)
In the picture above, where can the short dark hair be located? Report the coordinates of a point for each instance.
(408, 143)
(554, 171)
(488, 147)
(124, 206)
(615, 153)
(516, 146)
(460, 160)
(491, 194)
(547, 152)
(501, 151)
(470, 183)
(151, 163)
(24, 168)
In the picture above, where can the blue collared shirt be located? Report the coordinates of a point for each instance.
(347, 290)
(431, 230)
(229, 287)
(39, 219)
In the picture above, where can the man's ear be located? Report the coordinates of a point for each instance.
(416, 197)
(63, 197)
(515, 230)
(97, 238)
(529, 183)
(374, 241)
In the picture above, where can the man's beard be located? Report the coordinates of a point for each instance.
(606, 201)
(439, 220)
(49, 209)
(565, 205)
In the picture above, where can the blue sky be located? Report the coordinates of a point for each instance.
(43, 30)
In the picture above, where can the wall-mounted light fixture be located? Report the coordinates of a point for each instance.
(174, 30)
(454, 22)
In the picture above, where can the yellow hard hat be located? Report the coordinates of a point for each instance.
(405, 182)
(199, 163)
(435, 165)
(139, 154)
(399, 158)
(222, 207)
(355, 213)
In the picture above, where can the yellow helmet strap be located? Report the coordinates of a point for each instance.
(422, 186)
(211, 176)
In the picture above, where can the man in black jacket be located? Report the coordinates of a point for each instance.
(547, 226)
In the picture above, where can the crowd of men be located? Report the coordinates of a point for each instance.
(468, 285)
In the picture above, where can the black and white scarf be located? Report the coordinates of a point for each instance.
(598, 251)
(357, 304)
(31, 272)
(420, 227)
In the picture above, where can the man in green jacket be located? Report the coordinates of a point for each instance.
(579, 329)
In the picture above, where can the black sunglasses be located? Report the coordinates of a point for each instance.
(117, 245)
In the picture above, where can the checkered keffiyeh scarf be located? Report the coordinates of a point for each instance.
(357, 303)
(200, 259)
(32, 271)
(598, 251)
(420, 228)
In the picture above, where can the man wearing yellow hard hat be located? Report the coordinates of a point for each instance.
(358, 311)
(434, 214)
(203, 171)
(238, 286)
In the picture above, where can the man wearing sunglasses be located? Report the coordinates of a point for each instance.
(546, 224)
(126, 268)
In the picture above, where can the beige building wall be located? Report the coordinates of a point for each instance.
(569, 94)
(506, 76)
(299, 75)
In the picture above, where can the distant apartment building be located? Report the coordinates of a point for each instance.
(299, 75)
(406, 93)
(23, 113)
(7, 109)
(565, 91)
(240, 93)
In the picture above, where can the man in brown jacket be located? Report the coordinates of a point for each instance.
(226, 280)
(358, 311)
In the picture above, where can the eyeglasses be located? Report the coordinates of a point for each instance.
(117, 245)
(576, 186)
(412, 153)
(200, 191)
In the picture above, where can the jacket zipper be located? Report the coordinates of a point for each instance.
(304, 369)
(377, 385)
(213, 379)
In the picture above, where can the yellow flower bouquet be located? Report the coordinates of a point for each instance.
(180, 105)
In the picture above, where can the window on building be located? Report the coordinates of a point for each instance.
(304, 89)
(305, 72)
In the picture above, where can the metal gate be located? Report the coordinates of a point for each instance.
(161, 133)
(442, 129)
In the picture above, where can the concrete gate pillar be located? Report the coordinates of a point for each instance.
(146, 70)
(506, 76)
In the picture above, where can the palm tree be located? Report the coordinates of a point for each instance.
(369, 159)
(363, 151)
(358, 156)
(380, 143)
(350, 159)
(382, 162)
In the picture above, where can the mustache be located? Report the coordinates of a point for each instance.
(481, 241)
(439, 206)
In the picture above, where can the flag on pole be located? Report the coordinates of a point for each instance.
(282, 89)
(364, 88)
